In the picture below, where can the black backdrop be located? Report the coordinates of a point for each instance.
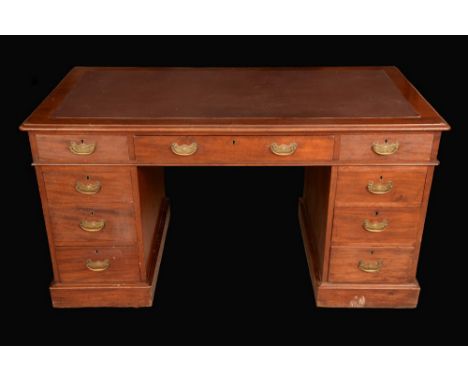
(234, 269)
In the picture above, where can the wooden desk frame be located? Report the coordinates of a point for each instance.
(334, 151)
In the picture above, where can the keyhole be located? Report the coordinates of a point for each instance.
(386, 140)
(97, 252)
(371, 252)
(381, 177)
(87, 177)
(376, 213)
(92, 213)
(233, 141)
(82, 141)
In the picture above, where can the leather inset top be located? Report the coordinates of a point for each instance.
(234, 93)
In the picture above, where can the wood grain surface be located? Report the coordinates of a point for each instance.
(331, 115)
(232, 149)
(407, 185)
(60, 183)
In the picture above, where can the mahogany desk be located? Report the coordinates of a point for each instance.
(367, 139)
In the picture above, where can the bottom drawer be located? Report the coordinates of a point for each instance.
(372, 265)
(97, 265)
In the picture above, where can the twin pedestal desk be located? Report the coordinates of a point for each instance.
(367, 139)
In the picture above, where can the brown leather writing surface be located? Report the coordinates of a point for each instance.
(225, 93)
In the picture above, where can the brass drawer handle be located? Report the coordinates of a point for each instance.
(385, 148)
(379, 188)
(88, 188)
(375, 226)
(97, 265)
(82, 148)
(184, 150)
(92, 225)
(283, 149)
(371, 266)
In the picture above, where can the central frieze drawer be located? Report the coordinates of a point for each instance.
(177, 150)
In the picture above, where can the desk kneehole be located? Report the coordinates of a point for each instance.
(173, 150)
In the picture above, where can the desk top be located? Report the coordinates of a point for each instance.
(247, 99)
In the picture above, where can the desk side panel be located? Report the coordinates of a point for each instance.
(151, 195)
(319, 189)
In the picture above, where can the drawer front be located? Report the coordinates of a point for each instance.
(259, 150)
(82, 148)
(89, 226)
(390, 225)
(372, 265)
(392, 147)
(380, 185)
(87, 184)
(98, 265)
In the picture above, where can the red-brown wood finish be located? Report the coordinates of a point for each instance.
(98, 142)
(136, 295)
(411, 147)
(319, 188)
(119, 225)
(123, 264)
(151, 197)
(232, 149)
(340, 295)
(403, 186)
(56, 148)
(45, 117)
(387, 265)
(403, 223)
(108, 185)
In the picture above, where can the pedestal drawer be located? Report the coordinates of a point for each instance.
(173, 150)
(97, 265)
(381, 148)
(376, 226)
(93, 225)
(380, 185)
(372, 265)
(84, 148)
(87, 184)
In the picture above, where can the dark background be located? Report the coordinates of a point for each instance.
(234, 269)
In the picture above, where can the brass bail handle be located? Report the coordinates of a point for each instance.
(283, 149)
(379, 188)
(184, 149)
(371, 266)
(97, 265)
(92, 225)
(375, 226)
(89, 188)
(385, 148)
(82, 148)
